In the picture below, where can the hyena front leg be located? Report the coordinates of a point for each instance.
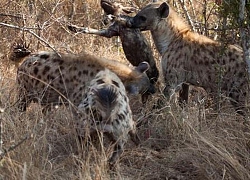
(175, 82)
(118, 150)
(134, 137)
(183, 95)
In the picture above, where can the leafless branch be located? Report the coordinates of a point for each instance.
(11, 15)
(187, 14)
(31, 32)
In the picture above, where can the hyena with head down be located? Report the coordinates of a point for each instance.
(188, 57)
(49, 78)
(107, 101)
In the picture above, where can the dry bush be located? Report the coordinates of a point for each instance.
(191, 143)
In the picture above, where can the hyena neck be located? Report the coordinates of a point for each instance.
(168, 30)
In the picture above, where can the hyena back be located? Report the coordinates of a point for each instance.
(107, 99)
(188, 57)
(49, 78)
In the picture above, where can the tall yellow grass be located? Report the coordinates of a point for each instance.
(190, 143)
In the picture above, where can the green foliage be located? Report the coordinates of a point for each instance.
(230, 9)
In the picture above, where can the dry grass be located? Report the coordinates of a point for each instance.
(190, 143)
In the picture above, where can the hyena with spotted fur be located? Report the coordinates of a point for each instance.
(106, 109)
(50, 78)
(188, 57)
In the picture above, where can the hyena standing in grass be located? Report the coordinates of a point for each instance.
(51, 79)
(136, 47)
(188, 57)
(86, 81)
(107, 99)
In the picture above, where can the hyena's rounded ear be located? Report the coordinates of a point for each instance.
(142, 67)
(163, 10)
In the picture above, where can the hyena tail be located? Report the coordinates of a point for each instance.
(106, 100)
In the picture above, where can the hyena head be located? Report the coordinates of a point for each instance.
(106, 108)
(150, 16)
(106, 90)
(19, 51)
(139, 82)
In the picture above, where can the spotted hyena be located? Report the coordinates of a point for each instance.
(135, 45)
(52, 78)
(106, 109)
(188, 57)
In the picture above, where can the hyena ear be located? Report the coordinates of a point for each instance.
(163, 10)
(142, 67)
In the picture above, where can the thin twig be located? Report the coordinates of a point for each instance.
(11, 15)
(31, 32)
(187, 14)
(14, 146)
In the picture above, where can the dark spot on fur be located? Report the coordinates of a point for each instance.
(115, 83)
(91, 74)
(121, 116)
(206, 63)
(29, 64)
(36, 82)
(211, 53)
(117, 121)
(66, 80)
(241, 74)
(74, 95)
(50, 77)
(209, 78)
(91, 65)
(46, 69)
(35, 70)
(39, 77)
(59, 61)
(85, 72)
(100, 81)
(79, 73)
(44, 56)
